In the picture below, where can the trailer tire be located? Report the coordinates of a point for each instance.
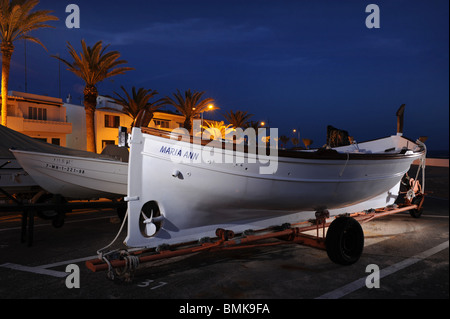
(344, 241)
(418, 200)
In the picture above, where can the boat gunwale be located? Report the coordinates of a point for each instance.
(107, 160)
(321, 154)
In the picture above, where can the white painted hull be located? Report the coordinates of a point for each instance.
(14, 179)
(75, 177)
(204, 196)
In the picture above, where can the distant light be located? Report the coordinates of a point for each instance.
(263, 123)
(210, 106)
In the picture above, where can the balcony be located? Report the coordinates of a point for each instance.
(25, 125)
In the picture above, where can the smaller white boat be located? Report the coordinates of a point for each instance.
(13, 178)
(71, 173)
(76, 177)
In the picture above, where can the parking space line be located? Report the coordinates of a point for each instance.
(357, 284)
(35, 270)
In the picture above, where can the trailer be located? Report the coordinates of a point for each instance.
(51, 207)
(340, 236)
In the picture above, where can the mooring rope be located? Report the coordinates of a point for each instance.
(100, 251)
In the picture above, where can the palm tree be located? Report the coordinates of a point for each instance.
(16, 22)
(93, 65)
(217, 130)
(189, 106)
(284, 140)
(307, 142)
(238, 118)
(137, 102)
(254, 124)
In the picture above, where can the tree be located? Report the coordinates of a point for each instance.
(307, 142)
(93, 65)
(137, 102)
(16, 22)
(284, 140)
(238, 118)
(189, 105)
(216, 130)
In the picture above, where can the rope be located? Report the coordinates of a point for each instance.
(131, 264)
(345, 166)
(131, 261)
(100, 251)
(422, 165)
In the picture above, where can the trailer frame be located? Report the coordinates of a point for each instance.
(121, 264)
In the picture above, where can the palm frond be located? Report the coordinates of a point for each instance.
(238, 118)
(93, 64)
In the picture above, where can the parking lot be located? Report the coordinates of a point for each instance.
(411, 254)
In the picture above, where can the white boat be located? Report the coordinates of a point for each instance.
(13, 178)
(72, 173)
(182, 189)
(75, 177)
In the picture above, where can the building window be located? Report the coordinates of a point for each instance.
(112, 121)
(107, 142)
(161, 123)
(37, 113)
(56, 141)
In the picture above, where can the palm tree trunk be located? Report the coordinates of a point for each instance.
(90, 103)
(7, 50)
(187, 124)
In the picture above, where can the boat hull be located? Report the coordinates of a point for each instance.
(75, 177)
(194, 198)
(14, 179)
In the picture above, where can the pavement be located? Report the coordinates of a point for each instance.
(403, 258)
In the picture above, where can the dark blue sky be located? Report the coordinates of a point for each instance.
(297, 64)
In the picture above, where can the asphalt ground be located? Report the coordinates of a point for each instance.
(411, 254)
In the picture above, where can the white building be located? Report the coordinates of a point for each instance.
(38, 116)
(107, 122)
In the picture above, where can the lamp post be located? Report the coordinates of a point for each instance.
(211, 107)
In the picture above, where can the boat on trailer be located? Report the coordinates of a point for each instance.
(14, 180)
(71, 173)
(182, 189)
(75, 176)
(187, 195)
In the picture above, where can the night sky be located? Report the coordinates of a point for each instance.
(294, 64)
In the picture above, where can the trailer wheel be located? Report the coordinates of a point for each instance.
(418, 200)
(344, 241)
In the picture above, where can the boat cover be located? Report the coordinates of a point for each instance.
(10, 139)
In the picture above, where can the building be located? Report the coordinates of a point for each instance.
(50, 120)
(38, 116)
(108, 118)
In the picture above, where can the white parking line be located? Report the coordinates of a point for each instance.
(357, 284)
(35, 270)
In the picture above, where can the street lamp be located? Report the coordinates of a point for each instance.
(211, 107)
